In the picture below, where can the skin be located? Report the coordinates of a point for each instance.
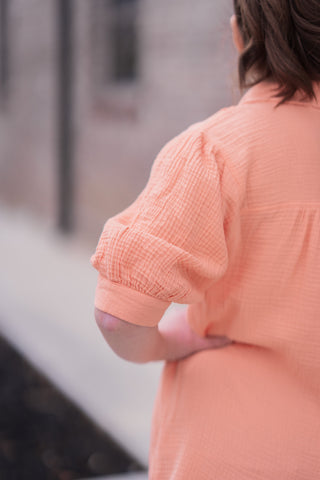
(172, 339)
(236, 34)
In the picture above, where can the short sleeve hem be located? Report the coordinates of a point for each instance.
(128, 304)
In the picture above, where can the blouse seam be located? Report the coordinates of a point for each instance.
(215, 150)
(244, 211)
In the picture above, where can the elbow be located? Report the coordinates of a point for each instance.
(130, 342)
(117, 334)
(106, 322)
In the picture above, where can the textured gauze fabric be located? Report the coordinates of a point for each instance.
(229, 224)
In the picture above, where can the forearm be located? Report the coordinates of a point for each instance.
(130, 342)
(172, 339)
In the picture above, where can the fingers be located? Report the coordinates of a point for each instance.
(219, 341)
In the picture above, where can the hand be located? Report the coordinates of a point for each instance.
(181, 341)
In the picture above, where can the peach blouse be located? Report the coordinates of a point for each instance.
(229, 224)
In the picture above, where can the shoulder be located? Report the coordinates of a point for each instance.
(203, 145)
(201, 136)
(223, 142)
(239, 125)
(227, 127)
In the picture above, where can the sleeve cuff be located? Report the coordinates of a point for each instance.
(128, 304)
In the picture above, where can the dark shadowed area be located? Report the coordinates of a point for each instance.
(44, 436)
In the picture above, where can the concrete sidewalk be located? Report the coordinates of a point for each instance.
(47, 289)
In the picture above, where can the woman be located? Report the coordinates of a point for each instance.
(229, 223)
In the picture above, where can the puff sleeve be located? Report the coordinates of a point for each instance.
(169, 245)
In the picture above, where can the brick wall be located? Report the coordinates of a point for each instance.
(186, 72)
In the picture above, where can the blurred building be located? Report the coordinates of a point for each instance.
(90, 90)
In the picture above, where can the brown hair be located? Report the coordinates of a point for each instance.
(282, 43)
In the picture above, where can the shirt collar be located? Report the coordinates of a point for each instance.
(264, 91)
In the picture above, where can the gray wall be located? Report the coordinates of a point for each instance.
(187, 71)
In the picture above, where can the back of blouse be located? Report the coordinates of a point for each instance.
(229, 223)
(270, 293)
(264, 391)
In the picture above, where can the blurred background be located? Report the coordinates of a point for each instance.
(90, 91)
